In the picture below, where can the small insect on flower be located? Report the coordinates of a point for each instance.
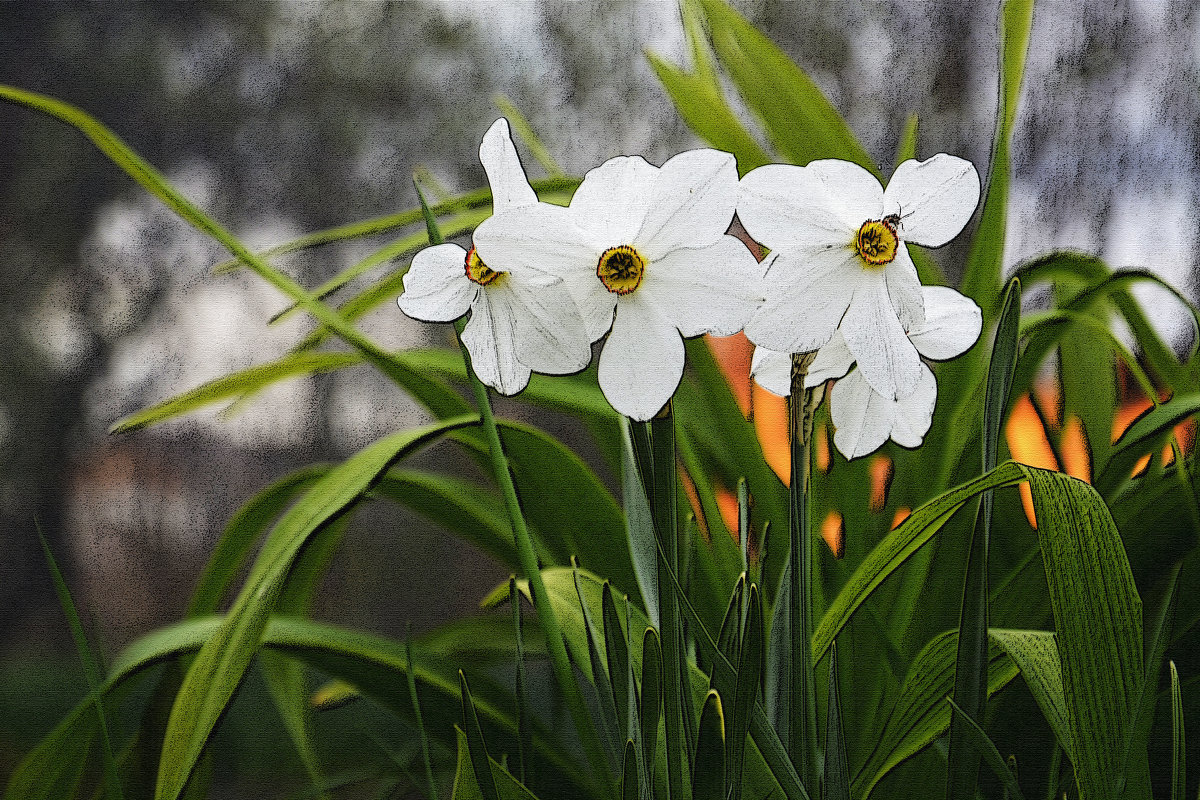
(522, 320)
(839, 260)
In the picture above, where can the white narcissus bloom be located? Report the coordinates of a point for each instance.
(522, 319)
(644, 251)
(839, 261)
(863, 418)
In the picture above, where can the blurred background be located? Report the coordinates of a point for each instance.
(284, 118)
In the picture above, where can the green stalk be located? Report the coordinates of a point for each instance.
(802, 727)
(663, 510)
(525, 552)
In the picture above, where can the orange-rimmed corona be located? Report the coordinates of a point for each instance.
(621, 269)
(478, 271)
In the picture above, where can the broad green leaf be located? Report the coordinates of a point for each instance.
(991, 756)
(702, 105)
(218, 669)
(921, 715)
(1098, 621)
(970, 682)
(466, 785)
(708, 772)
(800, 121)
(1036, 655)
(981, 280)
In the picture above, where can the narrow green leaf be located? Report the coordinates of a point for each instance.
(431, 784)
(800, 121)
(970, 682)
(751, 657)
(91, 668)
(467, 786)
(729, 638)
(631, 782)
(1178, 751)
(222, 662)
(1146, 435)
(286, 684)
(981, 279)
(708, 773)
(611, 727)
(231, 386)
(650, 711)
(617, 657)
(521, 694)
(987, 748)
(836, 781)
(476, 747)
(1036, 656)
(639, 527)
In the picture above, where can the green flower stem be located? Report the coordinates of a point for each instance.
(664, 512)
(802, 723)
(529, 565)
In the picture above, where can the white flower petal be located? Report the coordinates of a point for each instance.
(855, 195)
(934, 198)
(711, 289)
(772, 370)
(489, 338)
(691, 203)
(436, 286)
(613, 199)
(833, 361)
(952, 324)
(545, 239)
(787, 209)
(510, 187)
(914, 413)
(642, 361)
(862, 417)
(806, 299)
(885, 356)
(904, 289)
(550, 334)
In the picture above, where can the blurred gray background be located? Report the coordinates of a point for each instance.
(283, 118)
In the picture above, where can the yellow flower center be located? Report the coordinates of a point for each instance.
(480, 272)
(621, 269)
(877, 241)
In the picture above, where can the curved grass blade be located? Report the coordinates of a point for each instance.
(218, 669)
(524, 729)
(91, 669)
(970, 682)
(981, 278)
(431, 784)
(631, 781)
(1036, 656)
(751, 658)
(466, 785)
(617, 658)
(650, 711)
(835, 784)
(709, 780)
(600, 679)
(991, 756)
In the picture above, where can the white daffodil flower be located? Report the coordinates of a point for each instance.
(643, 250)
(862, 417)
(838, 257)
(522, 319)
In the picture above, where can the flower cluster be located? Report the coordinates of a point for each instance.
(642, 258)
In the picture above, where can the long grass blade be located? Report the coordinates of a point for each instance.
(1178, 751)
(476, 747)
(709, 780)
(91, 668)
(836, 783)
(987, 749)
(422, 734)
